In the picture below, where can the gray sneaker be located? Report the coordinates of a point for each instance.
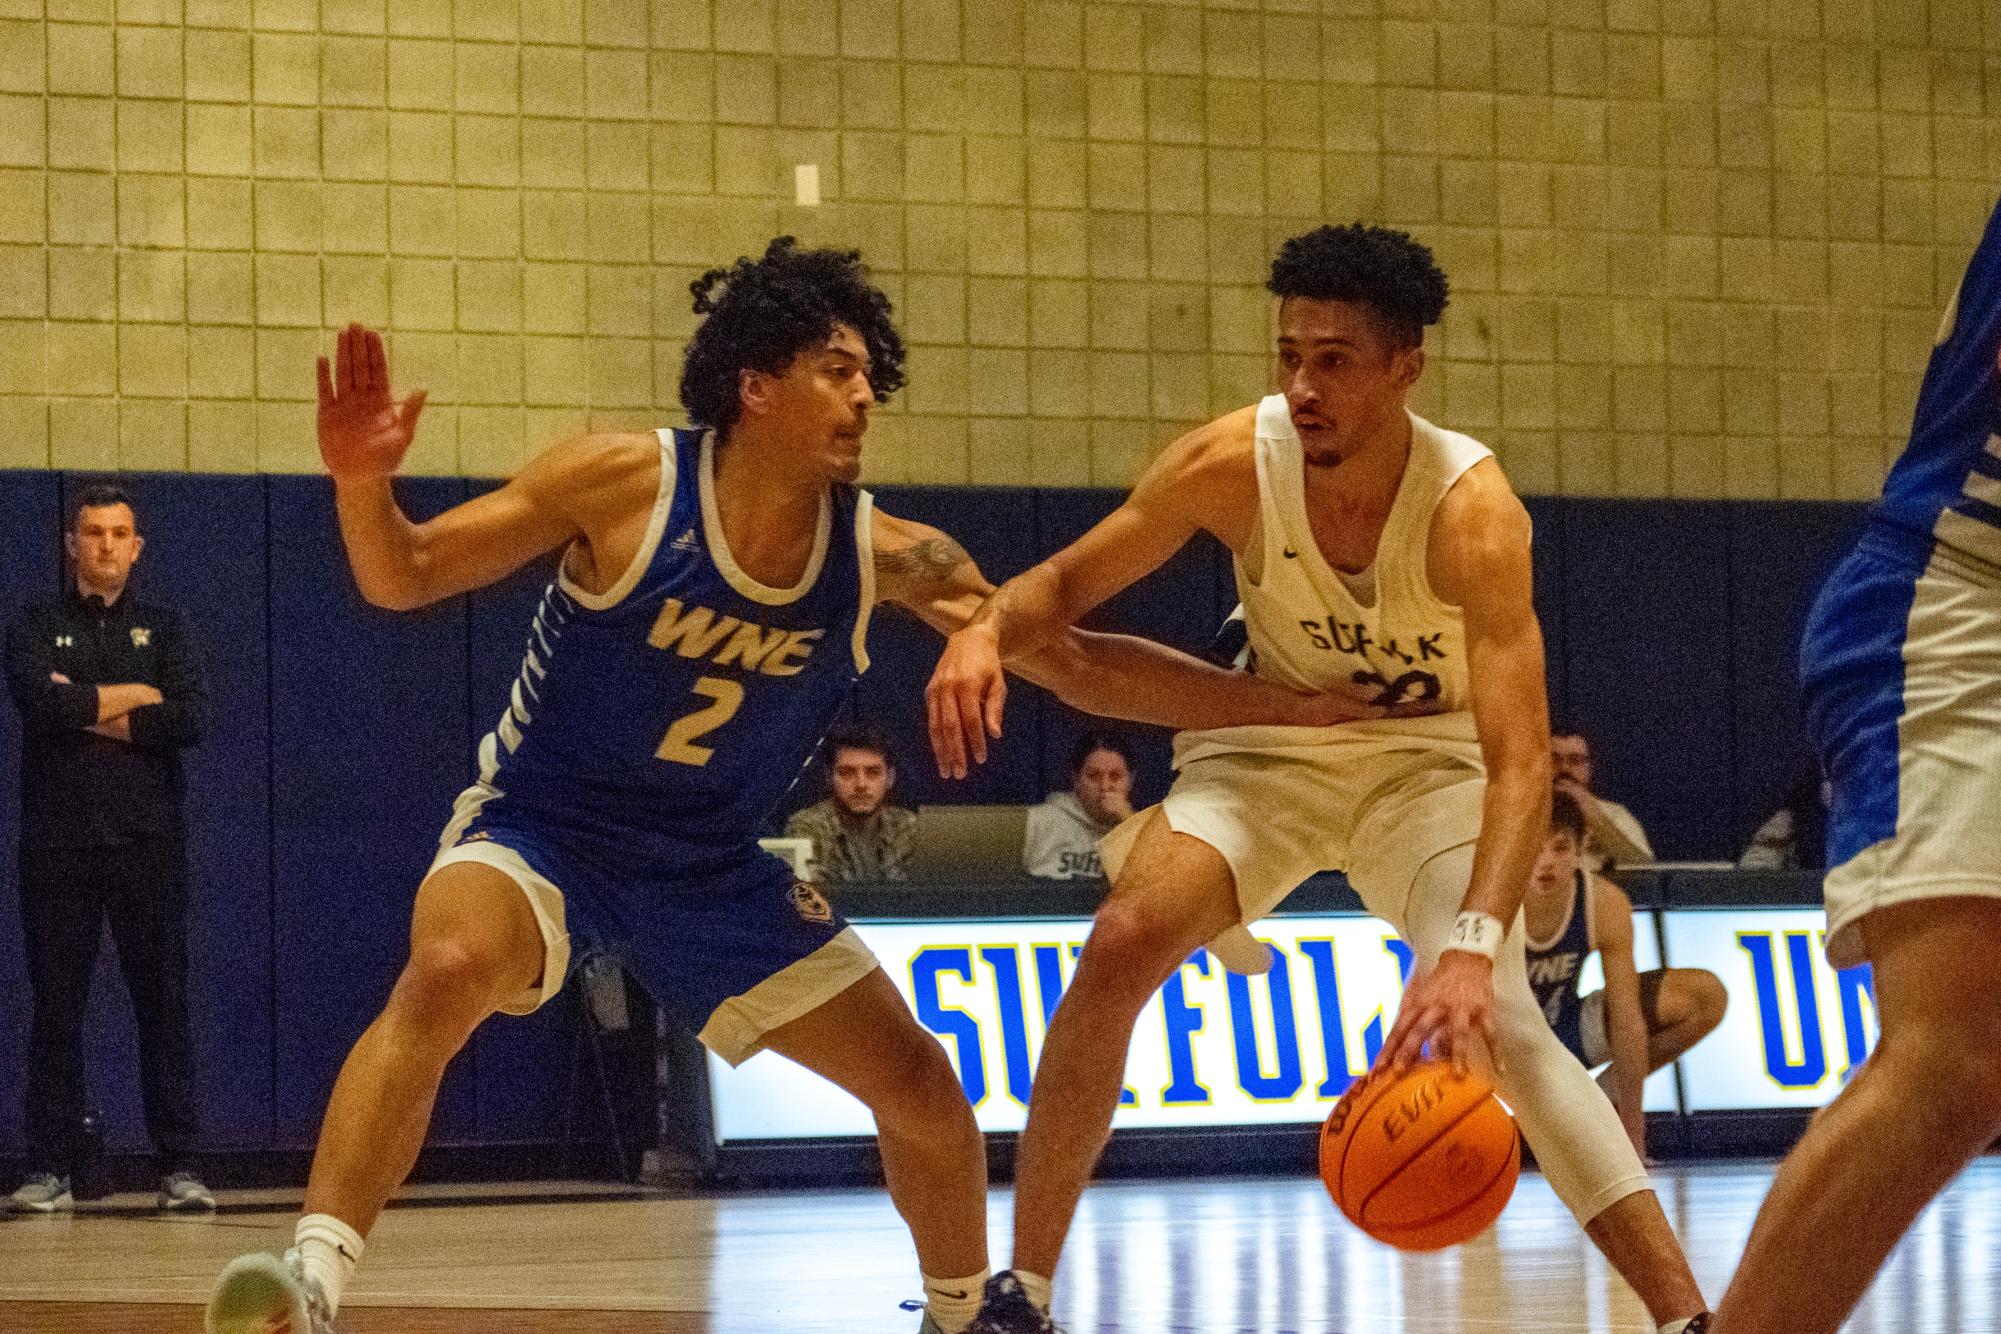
(183, 1193)
(261, 1294)
(43, 1194)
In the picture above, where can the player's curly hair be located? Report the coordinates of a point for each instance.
(1385, 270)
(761, 313)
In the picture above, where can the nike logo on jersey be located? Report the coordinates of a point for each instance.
(696, 632)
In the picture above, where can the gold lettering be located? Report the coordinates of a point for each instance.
(779, 661)
(749, 646)
(693, 635)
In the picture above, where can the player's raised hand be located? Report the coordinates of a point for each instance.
(1449, 1005)
(965, 698)
(364, 432)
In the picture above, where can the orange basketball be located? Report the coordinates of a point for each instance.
(1422, 1160)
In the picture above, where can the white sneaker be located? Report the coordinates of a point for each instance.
(261, 1294)
(45, 1193)
(183, 1193)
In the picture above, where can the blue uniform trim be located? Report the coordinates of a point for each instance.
(1852, 676)
(1978, 510)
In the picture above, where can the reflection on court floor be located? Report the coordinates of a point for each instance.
(1238, 1256)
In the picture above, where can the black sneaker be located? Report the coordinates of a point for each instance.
(1005, 1308)
(1699, 1325)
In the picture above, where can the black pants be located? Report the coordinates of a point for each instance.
(66, 894)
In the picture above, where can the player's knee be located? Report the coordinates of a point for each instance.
(1129, 952)
(447, 983)
(1708, 998)
(1950, 1070)
(925, 1097)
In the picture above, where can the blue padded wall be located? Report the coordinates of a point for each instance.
(369, 745)
(30, 528)
(1781, 555)
(1648, 652)
(341, 733)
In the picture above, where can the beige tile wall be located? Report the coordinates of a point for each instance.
(1698, 246)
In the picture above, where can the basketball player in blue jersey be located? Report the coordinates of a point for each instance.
(1637, 1022)
(1383, 557)
(1901, 669)
(707, 620)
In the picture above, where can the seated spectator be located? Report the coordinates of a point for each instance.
(857, 835)
(1616, 838)
(1638, 1021)
(1795, 837)
(1063, 832)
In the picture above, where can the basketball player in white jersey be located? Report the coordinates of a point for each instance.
(714, 589)
(1376, 555)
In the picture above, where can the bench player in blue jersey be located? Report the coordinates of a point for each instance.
(1901, 666)
(708, 619)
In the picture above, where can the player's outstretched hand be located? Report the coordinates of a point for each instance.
(364, 433)
(965, 698)
(1449, 1005)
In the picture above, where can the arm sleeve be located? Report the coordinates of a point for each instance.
(182, 715)
(46, 706)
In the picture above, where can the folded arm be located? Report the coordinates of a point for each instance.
(180, 715)
(48, 701)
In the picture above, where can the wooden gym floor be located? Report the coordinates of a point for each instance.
(1261, 1256)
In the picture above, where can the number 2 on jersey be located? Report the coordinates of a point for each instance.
(679, 745)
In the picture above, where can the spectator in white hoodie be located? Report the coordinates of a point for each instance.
(1063, 832)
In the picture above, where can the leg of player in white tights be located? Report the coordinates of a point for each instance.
(1578, 1140)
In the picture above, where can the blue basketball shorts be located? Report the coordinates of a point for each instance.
(726, 939)
(1901, 672)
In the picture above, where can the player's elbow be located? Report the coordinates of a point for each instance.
(1526, 767)
(393, 594)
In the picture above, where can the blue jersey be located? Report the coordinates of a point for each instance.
(1947, 484)
(670, 714)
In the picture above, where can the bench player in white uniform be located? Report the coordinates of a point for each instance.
(1901, 674)
(1377, 555)
(708, 620)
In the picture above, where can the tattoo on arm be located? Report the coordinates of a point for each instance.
(931, 561)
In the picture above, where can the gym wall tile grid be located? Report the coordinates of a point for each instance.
(1699, 247)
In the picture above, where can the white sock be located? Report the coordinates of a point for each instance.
(1677, 1326)
(328, 1251)
(1038, 1287)
(953, 1302)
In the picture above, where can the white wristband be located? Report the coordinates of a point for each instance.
(1476, 933)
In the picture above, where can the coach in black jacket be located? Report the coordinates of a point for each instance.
(109, 692)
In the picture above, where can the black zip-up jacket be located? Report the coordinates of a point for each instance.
(79, 789)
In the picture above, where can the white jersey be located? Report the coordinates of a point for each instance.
(1307, 629)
